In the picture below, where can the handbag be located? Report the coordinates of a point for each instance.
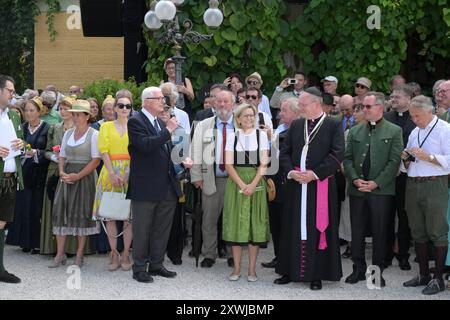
(271, 189)
(114, 206)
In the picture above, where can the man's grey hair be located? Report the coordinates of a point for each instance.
(292, 103)
(48, 97)
(379, 97)
(436, 85)
(422, 102)
(173, 90)
(149, 93)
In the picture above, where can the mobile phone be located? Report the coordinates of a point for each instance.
(292, 81)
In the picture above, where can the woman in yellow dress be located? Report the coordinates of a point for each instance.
(113, 146)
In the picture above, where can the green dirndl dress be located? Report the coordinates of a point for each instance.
(245, 218)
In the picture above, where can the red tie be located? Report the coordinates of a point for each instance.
(224, 141)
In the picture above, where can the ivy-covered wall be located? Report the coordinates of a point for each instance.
(17, 19)
(330, 37)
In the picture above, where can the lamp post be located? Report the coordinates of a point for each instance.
(163, 14)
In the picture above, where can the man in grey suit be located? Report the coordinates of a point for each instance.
(208, 171)
(153, 188)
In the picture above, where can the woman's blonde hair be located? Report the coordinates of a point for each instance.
(238, 111)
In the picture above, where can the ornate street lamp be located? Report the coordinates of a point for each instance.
(163, 13)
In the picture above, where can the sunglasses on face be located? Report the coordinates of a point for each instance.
(368, 106)
(127, 106)
(360, 86)
(252, 83)
(251, 97)
(358, 107)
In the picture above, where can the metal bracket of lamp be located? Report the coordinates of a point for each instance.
(163, 13)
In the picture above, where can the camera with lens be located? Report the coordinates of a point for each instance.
(292, 81)
(409, 158)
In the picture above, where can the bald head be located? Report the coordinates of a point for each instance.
(346, 104)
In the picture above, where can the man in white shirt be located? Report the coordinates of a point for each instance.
(426, 160)
(253, 96)
(10, 168)
(255, 80)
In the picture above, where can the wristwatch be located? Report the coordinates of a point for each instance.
(432, 158)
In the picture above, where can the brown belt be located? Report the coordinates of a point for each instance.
(422, 179)
(9, 174)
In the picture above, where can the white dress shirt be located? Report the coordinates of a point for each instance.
(264, 106)
(183, 119)
(10, 164)
(437, 144)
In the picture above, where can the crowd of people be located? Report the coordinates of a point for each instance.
(345, 168)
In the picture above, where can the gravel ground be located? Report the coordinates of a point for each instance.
(96, 282)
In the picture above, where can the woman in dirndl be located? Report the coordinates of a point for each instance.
(74, 197)
(245, 212)
(113, 146)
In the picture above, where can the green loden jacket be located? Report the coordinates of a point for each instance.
(19, 132)
(386, 146)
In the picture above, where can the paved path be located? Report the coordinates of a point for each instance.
(39, 282)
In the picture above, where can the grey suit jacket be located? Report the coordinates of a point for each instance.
(203, 151)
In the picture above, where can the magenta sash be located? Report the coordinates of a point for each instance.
(322, 211)
(322, 220)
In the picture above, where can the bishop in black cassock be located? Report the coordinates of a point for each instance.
(312, 153)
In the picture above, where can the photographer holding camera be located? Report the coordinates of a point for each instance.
(289, 87)
(426, 160)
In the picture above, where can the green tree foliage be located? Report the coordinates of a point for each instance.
(330, 37)
(17, 19)
(17, 40)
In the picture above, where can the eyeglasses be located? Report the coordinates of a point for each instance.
(156, 98)
(252, 83)
(368, 106)
(121, 106)
(251, 97)
(11, 91)
(360, 86)
(442, 91)
(248, 116)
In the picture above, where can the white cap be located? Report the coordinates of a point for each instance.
(330, 78)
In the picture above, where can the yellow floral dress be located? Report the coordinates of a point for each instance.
(110, 141)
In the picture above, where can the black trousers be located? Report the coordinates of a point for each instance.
(152, 222)
(177, 236)
(403, 233)
(376, 210)
(275, 213)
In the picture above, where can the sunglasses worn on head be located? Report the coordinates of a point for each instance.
(121, 106)
(360, 86)
(251, 97)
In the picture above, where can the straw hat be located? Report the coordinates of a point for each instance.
(81, 106)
